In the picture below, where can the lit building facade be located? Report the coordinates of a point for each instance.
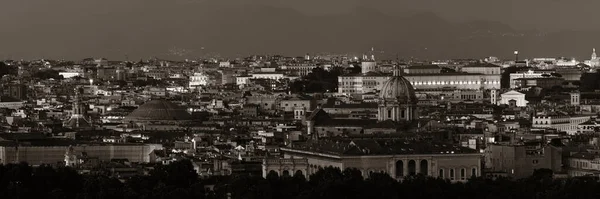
(515, 77)
(200, 79)
(361, 84)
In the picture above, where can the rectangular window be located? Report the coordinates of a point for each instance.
(451, 174)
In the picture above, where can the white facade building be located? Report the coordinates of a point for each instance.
(519, 98)
(199, 79)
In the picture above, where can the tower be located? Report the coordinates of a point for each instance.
(575, 97)
(397, 99)
(594, 54)
(494, 97)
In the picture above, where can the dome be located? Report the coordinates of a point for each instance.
(157, 110)
(398, 88)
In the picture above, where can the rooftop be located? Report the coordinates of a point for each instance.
(360, 147)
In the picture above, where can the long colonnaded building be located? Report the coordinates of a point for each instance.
(52, 151)
(398, 158)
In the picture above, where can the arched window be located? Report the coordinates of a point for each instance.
(474, 172)
(286, 173)
(412, 167)
(399, 168)
(463, 175)
(424, 167)
(441, 173)
(451, 174)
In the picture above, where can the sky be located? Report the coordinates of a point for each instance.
(75, 29)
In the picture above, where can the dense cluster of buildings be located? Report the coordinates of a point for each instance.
(453, 119)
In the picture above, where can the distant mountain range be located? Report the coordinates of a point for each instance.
(231, 31)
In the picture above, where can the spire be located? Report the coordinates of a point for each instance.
(594, 54)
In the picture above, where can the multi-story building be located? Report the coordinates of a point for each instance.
(156, 91)
(584, 163)
(17, 91)
(423, 69)
(519, 161)
(488, 69)
(298, 69)
(289, 104)
(566, 123)
(422, 78)
(514, 77)
(200, 79)
(589, 126)
(398, 158)
(243, 80)
(38, 153)
(542, 82)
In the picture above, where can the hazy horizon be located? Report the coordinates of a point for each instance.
(179, 29)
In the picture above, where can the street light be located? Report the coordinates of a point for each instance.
(516, 55)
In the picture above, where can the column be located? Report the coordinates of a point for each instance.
(417, 166)
(392, 171)
(405, 163)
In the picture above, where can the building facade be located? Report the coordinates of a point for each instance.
(519, 161)
(448, 162)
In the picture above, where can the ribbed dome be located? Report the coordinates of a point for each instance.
(398, 88)
(157, 110)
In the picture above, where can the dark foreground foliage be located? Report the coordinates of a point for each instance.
(179, 180)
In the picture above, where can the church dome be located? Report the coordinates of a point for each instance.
(398, 88)
(158, 110)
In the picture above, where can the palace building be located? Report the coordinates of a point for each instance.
(398, 158)
(423, 78)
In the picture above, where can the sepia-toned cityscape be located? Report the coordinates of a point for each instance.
(234, 111)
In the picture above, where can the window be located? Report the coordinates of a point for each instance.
(451, 174)
(535, 161)
(402, 114)
(441, 173)
(389, 114)
(474, 172)
(463, 175)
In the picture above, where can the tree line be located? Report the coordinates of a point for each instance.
(179, 180)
